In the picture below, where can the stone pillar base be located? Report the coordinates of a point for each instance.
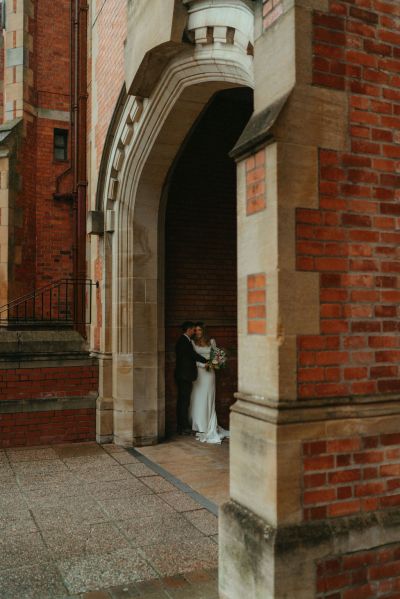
(136, 441)
(105, 403)
(246, 554)
(104, 420)
(353, 557)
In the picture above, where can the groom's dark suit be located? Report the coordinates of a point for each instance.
(185, 374)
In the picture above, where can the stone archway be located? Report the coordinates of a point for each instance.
(147, 139)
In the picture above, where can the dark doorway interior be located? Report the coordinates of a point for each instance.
(200, 240)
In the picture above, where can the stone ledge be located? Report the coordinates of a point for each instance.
(257, 132)
(12, 361)
(41, 349)
(281, 561)
(48, 405)
(41, 342)
(310, 534)
(292, 412)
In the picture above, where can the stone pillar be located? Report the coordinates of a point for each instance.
(18, 74)
(315, 446)
(105, 404)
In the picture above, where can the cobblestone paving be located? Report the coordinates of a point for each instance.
(90, 522)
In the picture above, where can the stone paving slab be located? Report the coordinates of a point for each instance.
(158, 484)
(38, 581)
(69, 450)
(181, 502)
(139, 470)
(158, 528)
(138, 506)
(102, 571)
(28, 455)
(84, 540)
(202, 466)
(183, 556)
(14, 521)
(21, 549)
(119, 489)
(80, 521)
(199, 584)
(202, 519)
(74, 513)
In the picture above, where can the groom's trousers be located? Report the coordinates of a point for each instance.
(182, 408)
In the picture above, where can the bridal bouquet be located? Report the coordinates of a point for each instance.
(218, 358)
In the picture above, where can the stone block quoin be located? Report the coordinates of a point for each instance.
(352, 239)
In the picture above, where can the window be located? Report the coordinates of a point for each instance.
(60, 144)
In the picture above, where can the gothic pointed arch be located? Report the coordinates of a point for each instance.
(146, 137)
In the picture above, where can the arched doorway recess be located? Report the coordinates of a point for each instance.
(200, 240)
(146, 140)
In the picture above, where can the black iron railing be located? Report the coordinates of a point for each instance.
(65, 302)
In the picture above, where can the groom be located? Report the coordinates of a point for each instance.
(185, 374)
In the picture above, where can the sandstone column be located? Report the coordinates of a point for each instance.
(315, 442)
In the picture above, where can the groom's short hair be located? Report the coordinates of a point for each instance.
(188, 324)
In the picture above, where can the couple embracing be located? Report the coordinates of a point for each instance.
(197, 358)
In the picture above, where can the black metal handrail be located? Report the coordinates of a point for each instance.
(63, 302)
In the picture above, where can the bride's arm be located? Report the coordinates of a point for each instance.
(200, 360)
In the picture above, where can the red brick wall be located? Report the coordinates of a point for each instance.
(37, 383)
(200, 268)
(351, 475)
(50, 427)
(47, 425)
(256, 304)
(352, 239)
(23, 237)
(110, 22)
(272, 10)
(52, 54)
(44, 231)
(55, 219)
(360, 575)
(255, 182)
(108, 34)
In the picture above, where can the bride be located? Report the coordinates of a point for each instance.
(202, 402)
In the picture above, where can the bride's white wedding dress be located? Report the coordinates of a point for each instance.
(202, 402)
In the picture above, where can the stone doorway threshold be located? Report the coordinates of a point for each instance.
(199, 469)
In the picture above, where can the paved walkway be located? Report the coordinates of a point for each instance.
(204, 467)
(88, 522)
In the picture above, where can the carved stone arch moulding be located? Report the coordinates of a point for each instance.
(184, 78)
(149, 134)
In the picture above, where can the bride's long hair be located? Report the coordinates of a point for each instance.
(205, 337)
